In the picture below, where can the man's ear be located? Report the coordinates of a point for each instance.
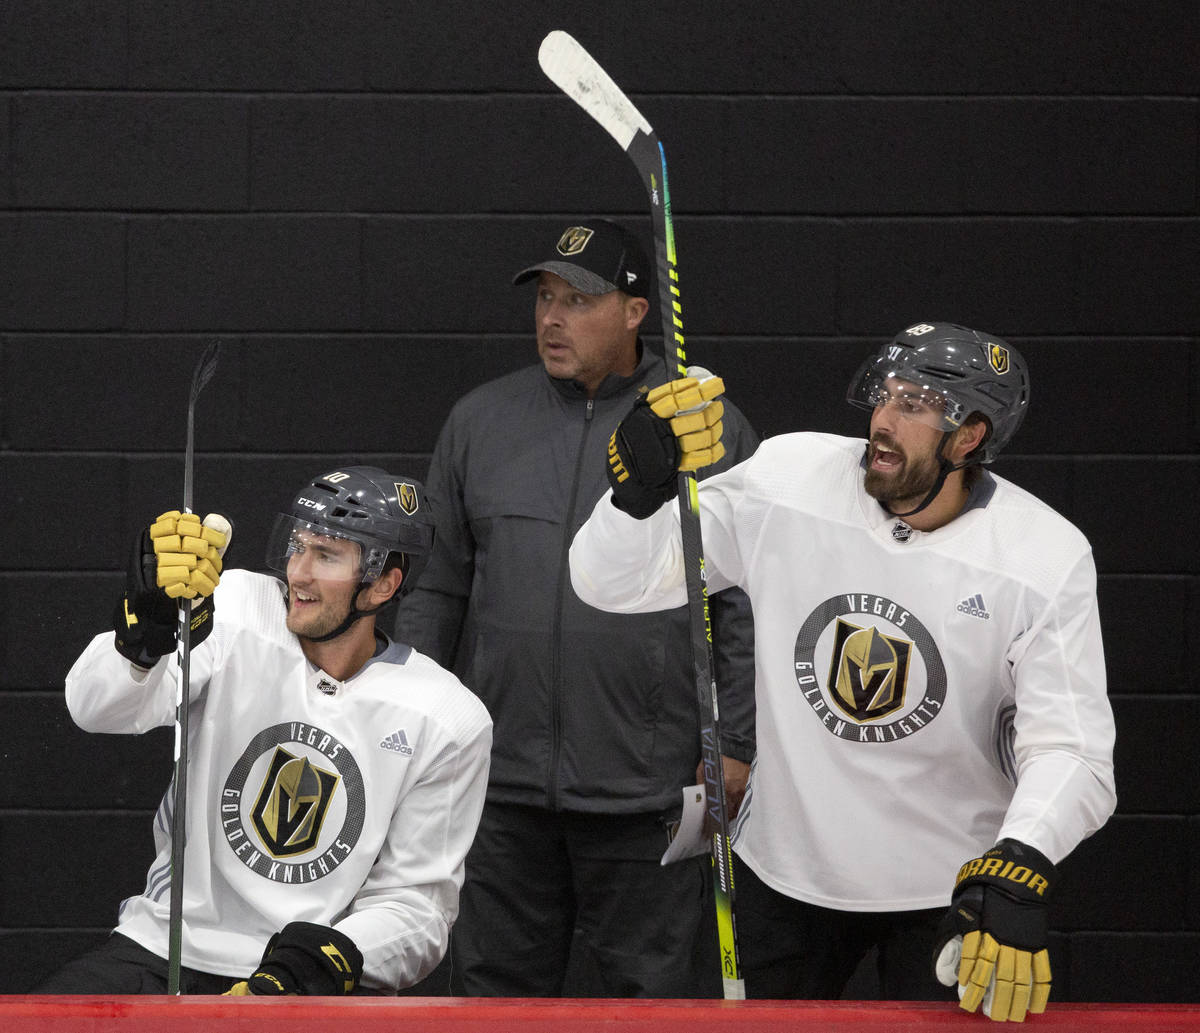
(384, 587)
(967, 438)
(635, 312)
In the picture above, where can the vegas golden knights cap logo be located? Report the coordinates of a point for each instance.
(292, 803)
(574, 240)
(998, 358)
(868, 671)
(406, 495)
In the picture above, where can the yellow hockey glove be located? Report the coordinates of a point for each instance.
(675, 428)
(189, 553)
(177, 557)
(694, 414)
(992, 942)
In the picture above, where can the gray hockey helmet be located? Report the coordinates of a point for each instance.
(385, 514)
(953, 372)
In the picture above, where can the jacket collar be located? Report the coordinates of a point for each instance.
(612, 385)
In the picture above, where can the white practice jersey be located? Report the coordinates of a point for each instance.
(919, 695)
(349, 804)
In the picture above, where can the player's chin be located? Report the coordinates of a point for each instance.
(883, 487)
(302, 624)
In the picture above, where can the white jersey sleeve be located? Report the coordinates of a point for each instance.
(401, 916)
(625, 565)
(1063, 730)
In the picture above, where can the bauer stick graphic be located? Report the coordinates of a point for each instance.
(183, 652)
(574, 71)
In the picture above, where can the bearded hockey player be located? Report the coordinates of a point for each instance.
(335, 778)
(933, 723)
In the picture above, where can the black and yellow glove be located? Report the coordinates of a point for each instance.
(306, 959)
(177, 557)
(675, 428)
(992, 942)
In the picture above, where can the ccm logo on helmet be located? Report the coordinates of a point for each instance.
(309, 503)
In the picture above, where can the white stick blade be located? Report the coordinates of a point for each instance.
(574, 71)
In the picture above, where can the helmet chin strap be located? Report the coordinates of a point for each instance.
(945, 469)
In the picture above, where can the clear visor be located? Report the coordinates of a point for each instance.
(295, 544)
(878, 384)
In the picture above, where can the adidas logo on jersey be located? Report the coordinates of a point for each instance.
(398, 743)
(974, 607)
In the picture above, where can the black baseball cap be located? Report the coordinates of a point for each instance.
(596, 256)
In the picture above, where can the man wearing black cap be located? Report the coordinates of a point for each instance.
(596, 718)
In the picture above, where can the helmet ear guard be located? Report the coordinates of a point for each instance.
(973, 372)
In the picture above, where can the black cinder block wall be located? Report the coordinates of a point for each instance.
(340, 192)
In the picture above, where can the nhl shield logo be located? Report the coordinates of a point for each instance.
(574, 240)
(406, 495)
(998, 358)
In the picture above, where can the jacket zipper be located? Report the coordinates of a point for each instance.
(556, 643)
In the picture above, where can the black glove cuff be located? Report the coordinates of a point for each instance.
(643, 461)
(308, 959)
(154, 630)
(146, 626)
(1014, 868)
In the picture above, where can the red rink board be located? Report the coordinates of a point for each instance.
(31, 1014)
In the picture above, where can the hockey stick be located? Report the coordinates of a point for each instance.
(202, 375)
(574, 71)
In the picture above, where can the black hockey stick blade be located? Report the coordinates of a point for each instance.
(203, 373)
(574, 71)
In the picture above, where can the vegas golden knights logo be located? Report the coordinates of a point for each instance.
(574, 240)
(406, 495)
(998, 358)
(868, 671)
(292, 803)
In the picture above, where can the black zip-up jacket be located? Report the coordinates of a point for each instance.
(592, 711)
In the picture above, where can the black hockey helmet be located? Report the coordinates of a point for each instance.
(954, 372)
(383, 513)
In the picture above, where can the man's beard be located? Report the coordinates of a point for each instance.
(912, 480)
(315, 626)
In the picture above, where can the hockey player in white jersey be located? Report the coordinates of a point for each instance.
(933, 722)
(336, 777)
